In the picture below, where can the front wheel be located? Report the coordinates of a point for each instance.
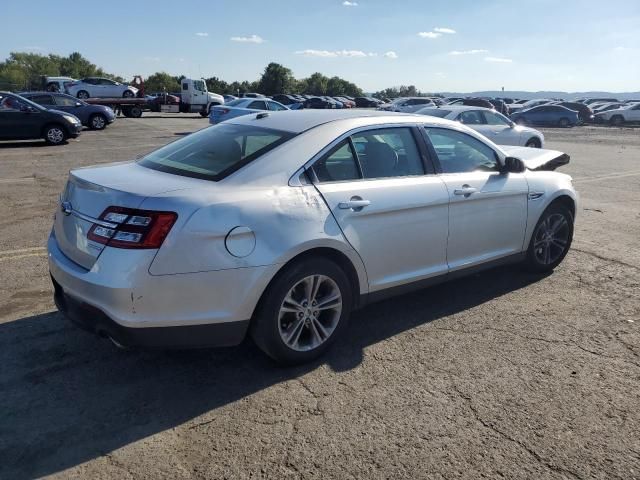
(533, 143)
(551, 239)
(97, 122)
(303, 311)
(55, 135)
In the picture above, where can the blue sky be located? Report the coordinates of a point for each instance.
(437, 45)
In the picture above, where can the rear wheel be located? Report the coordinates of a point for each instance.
(128, 94)
(97, 122)
(616, 120)
(83, 94)
(303, 311)
(55, 134)
(533, 143)
(551, 239)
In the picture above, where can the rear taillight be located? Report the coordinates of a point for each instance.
(131, 228)
(222, 111)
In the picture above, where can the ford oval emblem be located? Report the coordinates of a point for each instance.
(66, 208)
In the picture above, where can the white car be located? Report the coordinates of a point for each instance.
(619, 116)
(493, 125)
(407, 105)
(278, 224)
(97, 87)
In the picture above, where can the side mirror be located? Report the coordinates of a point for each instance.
(78, 104)
(513, 165)
(512, 124)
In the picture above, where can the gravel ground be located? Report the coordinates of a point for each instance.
(500, 375)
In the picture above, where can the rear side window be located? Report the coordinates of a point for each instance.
(257, 105)
(338, 165)
(42, 99)
(215, 152)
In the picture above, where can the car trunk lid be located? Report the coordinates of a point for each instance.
(90, 191)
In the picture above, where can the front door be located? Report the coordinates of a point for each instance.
(18, 119)
(488, 209)
(392, 213)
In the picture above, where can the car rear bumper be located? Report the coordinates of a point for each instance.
(94, 320)
(118, 297)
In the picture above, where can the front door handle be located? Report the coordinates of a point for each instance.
(466, 190)
(356, 204)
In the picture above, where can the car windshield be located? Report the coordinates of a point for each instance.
(434, 112)
(215, 152)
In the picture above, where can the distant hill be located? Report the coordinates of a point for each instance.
(545, 94)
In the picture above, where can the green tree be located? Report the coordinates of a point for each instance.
(161, 82)
(214, 84)
(316, 84)
(276, 79)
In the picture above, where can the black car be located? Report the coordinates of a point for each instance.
(474, 102)
(317, 102)
(285, 99)
(500, 106)
(585, 114)
(366, 102)
(21, 119)
(95, 117)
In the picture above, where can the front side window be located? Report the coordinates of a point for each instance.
(215, 152)
(275, 106)
(8, 104)
(106, 81)
(198, 85)
(388, 152)
(493, 118)
(471, 117)
(458, 152)
(66, 101)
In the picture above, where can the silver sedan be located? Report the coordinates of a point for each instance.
(279, 224)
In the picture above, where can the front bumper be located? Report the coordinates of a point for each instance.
(120, 298)
(74, 129)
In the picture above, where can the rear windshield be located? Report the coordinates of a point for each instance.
(435, 112)
(215, 152)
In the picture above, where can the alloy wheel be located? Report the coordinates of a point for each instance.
(551, 239)
(98, 122)
(310, 312)
(55, 135)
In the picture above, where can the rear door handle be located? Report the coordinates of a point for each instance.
(355, 204)
(466, 190)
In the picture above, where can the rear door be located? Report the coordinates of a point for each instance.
(391, 210)
(487, 209)
(46, 100)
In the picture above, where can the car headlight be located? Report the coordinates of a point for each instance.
(71, 119)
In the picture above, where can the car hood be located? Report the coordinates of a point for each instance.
(537, 158)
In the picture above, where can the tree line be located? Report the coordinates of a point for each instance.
(23, 71)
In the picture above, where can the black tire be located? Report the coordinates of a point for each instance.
(54, 134)
(204, 114)
(267, 324)
(533, 142)
(97, 121)
(128, 94)
(83, 95)
(135, 111)
(616, 120)
(563, 122)
(536, 260)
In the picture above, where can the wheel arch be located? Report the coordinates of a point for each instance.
(329, 253)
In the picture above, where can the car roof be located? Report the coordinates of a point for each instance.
(297, 121)
(461, 108)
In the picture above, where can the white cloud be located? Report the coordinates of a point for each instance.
(334, 53)
(249, 39)
(391, 54)
(429, 34)
(498, 60)
(347, 3)
(468, 52)
(202, 34)
(449, 31)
